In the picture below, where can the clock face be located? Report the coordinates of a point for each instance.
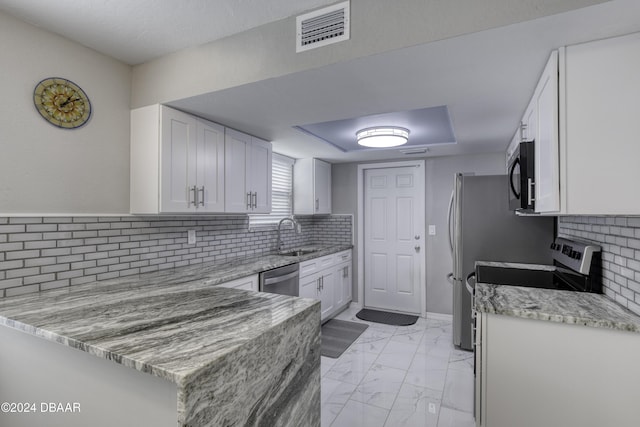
(62, 102)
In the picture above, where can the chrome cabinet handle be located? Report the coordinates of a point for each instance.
(195, 196)
(201, 201)
(255, 200)
(317, 204)
(248, 201)
(321, 282)
(318, 284)
(345, 272)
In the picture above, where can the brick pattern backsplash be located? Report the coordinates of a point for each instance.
(620, 241)
(40, 253)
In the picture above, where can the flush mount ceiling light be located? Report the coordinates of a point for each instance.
(382, 137)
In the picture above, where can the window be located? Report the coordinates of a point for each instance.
(281, 193)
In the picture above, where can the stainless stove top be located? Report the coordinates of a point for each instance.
(575, 267)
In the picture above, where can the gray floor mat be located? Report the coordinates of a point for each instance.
(338, 335)
(386, 317)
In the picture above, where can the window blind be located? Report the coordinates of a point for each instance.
(281, 193)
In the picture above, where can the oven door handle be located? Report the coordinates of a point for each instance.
(468, 285)
(273, 280)
(511, 171)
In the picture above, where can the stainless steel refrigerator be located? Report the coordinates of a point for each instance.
(482, 228)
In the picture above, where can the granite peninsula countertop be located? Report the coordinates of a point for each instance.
(236, 357)
(169, 323)
(579, 308)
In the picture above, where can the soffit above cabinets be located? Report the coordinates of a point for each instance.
(427, 127)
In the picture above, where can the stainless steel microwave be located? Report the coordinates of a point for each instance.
(521, 168)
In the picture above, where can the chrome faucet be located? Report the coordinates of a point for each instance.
(296, 226)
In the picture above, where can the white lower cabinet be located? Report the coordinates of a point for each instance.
(249, 283)
(327, 279)
(532, 373)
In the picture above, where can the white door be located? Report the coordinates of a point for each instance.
(327, 288)
(178, 158)
(260, 171)
(237, 147)
(210, 168)
(393, 239)
(310, 286)
(547, 173)
(322, 190)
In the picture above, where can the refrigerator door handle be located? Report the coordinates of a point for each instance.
(450, 221)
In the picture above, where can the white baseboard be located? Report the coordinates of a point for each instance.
(440, 316)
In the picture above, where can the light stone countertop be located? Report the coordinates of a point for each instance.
(168, 323)
(579, 308)
(177, 325)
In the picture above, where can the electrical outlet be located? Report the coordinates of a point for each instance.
(191, 237)
(432, 230)
(432, 408)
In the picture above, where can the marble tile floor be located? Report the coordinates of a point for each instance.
(399, 376)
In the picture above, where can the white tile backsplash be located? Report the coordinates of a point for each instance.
(39, 253)
(620, 240)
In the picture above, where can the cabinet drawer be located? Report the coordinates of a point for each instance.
(315, 265)
(343, 256)
(249, 283)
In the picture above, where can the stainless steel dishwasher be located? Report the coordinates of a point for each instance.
(281, 280)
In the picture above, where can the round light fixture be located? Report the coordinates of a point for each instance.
(382, 137)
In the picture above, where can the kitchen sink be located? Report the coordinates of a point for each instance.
(298, 252)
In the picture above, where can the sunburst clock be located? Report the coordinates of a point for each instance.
(62, 102)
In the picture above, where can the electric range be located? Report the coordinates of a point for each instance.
(576, 267)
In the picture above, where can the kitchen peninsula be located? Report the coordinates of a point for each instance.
(186, 353)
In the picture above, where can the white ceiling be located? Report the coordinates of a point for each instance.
(485, 79)
(135, 31)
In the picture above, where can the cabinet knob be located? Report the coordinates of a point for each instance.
(417, 248)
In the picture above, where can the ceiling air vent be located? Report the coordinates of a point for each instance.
(322, 27)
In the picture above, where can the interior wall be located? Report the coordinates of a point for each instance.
(46, 169)
(379, 26)
(439, 173)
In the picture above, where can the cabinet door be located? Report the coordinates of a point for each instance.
(529, 122)
(327, 289)
(178, 161)
(260, 175)
(547, 172)
(210, 167)
(322, 187)
(342, 292)
(310, 286)
(236, 166)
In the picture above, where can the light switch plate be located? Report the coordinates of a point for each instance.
(432, 230)
(191, 237)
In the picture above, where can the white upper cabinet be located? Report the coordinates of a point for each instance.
(177, 162)
(599, 148)
(586, 107)
(247, 173)
(545, 135)
(311, 187)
